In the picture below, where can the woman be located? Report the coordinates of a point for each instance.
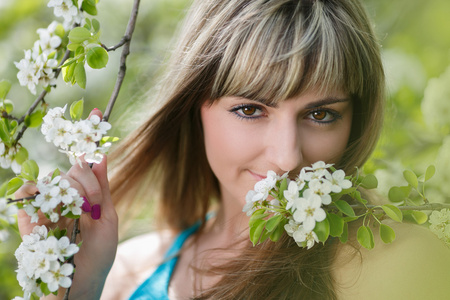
(253, 86)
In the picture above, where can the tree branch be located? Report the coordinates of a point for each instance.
(428, 206)
(123, 57)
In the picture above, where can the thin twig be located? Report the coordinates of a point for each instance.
(428, 206)
(123, 57)
(9, 200)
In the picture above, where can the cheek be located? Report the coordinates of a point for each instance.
(227, 145)
(328, 147)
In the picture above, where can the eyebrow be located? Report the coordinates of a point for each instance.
(326, 101)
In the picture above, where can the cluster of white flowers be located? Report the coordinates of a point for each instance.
(67, 10)
(7, 213)
(8, 157)
(41, 258)
(304, 198)
(76, 138)
(440, 224)
(435, 99)
(52, 194)
(36, 68)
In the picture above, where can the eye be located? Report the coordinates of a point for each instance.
(324, 116)
(247, 111)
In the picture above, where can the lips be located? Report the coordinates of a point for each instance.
(258, 177)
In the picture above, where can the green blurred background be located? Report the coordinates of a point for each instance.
(415, 38)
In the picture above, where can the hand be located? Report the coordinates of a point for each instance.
(99, 236)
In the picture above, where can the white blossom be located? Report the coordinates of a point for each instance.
(263, 187)
(249, 205)
(8, 157)
(52, 194)
(291, 194)
(64, 8)
(338, 181)
(302, 235)
(440, 224)
(76, 139)
(27, 72)
(41, 257)
(321, 188)
(7, 212)
(308, 211)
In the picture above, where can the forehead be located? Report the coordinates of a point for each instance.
(286, 51)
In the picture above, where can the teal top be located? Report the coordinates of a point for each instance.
(156, 286)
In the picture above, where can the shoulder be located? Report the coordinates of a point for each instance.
(136, 259)
(415, 266)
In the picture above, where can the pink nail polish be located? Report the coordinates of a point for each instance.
(86, 207)
(95, 109)
(95, 212)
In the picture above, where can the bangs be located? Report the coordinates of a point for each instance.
(289, 49)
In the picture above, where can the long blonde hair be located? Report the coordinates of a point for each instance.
(269, 51)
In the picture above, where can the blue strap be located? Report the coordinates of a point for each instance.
(157, 285)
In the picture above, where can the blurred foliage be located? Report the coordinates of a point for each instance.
(414, 35)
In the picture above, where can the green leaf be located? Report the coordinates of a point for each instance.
(411, 178)
(59, 30)
(357, 196)
(73, 46)
(369, 182)
(109, 139)
(79, 34)
(67, 63)
(8, 106)
(88, 24)
(419, 216)
(322, 230)
(430, 172)
(365, 237)
(3, 189)
(13, 185)
(45, 289)
(96, 25)
(4, 133)
(68, 72)
(387, 234)
(76, 110)
(273, 222)
(30, 170)
(345, 208)
(80, 75)
(56, 173)
(278, 232)
(344, 237)
(393, 212)
(89, 8)
(336, 225)
(256, 230)
(399, 193)
(21, 155)
(35, 119)
(97, 57)
(5, 86)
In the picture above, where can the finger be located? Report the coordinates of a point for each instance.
(92, 190)
(26, 190)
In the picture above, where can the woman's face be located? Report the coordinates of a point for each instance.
(244, 138)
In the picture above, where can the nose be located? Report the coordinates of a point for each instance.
(283, 144)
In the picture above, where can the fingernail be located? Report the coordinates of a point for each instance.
(86, 207)
(96, 212)
(95, 109)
